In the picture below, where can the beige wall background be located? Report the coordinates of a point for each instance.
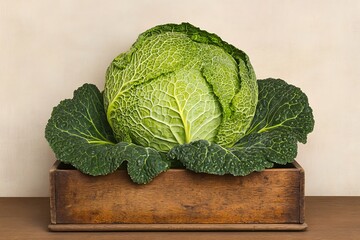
(49, 48)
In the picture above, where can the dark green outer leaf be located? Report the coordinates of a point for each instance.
(282, 106)
(203, 156)
(79, 134)
(277, 146)
(143, 163)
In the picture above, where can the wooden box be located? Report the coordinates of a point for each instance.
(177, 200)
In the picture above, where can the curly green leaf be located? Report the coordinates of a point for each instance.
(79, 134)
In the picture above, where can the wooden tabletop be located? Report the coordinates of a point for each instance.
(327, 218)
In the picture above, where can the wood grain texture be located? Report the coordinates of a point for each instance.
(52, 178)
(330, 218)
(301, 192)
(174, 227)
(274, 196)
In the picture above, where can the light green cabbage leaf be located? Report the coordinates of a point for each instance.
(178, 84)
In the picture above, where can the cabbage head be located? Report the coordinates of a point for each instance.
(178, 84)
(180, 97)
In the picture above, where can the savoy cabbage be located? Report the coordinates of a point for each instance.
(180, 96)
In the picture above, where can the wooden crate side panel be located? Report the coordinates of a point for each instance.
(52, 177)
(302, 196)
(179, 196)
